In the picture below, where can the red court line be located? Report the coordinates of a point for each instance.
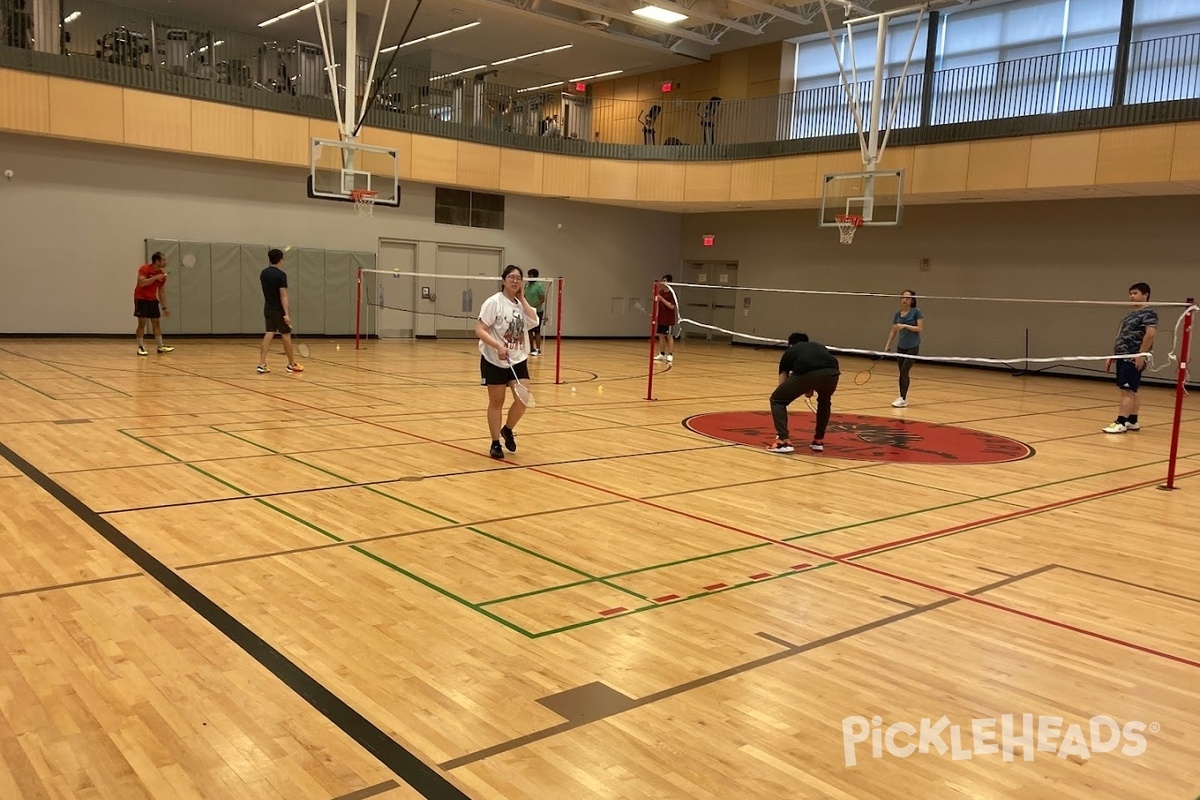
(838, 559)
(1011, 515)
(938, 589)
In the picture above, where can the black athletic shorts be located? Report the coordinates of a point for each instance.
(1129, 377)
(491, 375)
(146, 309)
(541, 319)
(275, 321)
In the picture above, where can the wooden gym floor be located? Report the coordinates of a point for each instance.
(223, 585)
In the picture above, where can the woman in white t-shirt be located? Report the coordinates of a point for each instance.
(503, 330)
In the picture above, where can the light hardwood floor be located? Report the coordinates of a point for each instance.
(224, 585)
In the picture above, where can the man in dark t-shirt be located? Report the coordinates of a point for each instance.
(805, 367)
(275, 312)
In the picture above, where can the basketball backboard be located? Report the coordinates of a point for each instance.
(339, 168)
(878, 197)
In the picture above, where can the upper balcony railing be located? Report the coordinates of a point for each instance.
(1149, 81)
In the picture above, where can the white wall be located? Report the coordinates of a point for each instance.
(1087, 249)
(74, 219)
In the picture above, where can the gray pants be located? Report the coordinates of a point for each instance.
(823, 383)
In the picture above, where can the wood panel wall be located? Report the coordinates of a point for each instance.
(1163, 156)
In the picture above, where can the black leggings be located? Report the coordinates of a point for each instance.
(906, 366)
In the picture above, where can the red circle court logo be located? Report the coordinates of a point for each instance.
(865, 438)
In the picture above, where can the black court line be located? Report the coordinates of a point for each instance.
(71, 585)
(671, 691)
(1164, 592)
(420, 776)
(383, 481)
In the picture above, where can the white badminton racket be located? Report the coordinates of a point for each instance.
(520, 390)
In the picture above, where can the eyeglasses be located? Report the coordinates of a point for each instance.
(514, 277)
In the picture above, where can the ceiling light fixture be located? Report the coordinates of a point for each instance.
(531, 55)
(459, 72)
(659, 14)
(598, 75)
(74, 15)
(543, 86)
(431, 36)
(291, 13)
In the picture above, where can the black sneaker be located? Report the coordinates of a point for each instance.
(496, 452)
(509, 440)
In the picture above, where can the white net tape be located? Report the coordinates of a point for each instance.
(1172, 356)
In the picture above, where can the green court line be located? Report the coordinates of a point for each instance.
(333, 537)
(441, 517)
(696, 596)
(824, 531)
(481, 607)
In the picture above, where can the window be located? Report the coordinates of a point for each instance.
(821, 105)
(468, 209)
(1023, 57)
(1164, 58)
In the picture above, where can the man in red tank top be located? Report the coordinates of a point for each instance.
(664, 298)
(148, 304)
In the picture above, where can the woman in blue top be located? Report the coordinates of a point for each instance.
(907, 325)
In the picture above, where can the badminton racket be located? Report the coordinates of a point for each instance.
(864, 375)
(676, 329)
(520, 390)
(301, 347)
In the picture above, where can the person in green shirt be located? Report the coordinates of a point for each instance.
(535, 294)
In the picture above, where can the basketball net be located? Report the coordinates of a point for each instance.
(364, 201)
(848, 224)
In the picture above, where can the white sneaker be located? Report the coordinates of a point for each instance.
(1116, 427)
(899, 402)
(670, 358)
(1133, 426)
(661, 357)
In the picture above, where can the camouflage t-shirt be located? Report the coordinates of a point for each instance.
(1133, 330)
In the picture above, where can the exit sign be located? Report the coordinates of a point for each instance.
(581, 87)
(668, 86)
(709, 239)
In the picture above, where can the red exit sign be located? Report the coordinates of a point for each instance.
(581, 87)
(708, 239)
(668, 86)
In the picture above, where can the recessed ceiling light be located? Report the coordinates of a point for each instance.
(531, 55)
(659, 14)
(74, 15)
(287, 14)
(431, 36)
(598, 75)
(543, 86)
(458, 72)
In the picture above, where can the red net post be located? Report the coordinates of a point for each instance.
(558, 336)
(653, 339)
(1185, 347)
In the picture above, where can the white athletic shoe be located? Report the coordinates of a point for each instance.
(1133, 426)
(1116, 427)
(661, 357)
(899, 402)
(670, 358)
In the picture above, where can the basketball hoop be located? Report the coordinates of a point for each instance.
(848, 224)
(364, 201)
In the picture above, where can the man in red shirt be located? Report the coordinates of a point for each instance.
(151, 280)
(665, 298)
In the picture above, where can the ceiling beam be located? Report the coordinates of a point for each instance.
(694, 12)
(566, 24)
(674, 30)
(776, 11)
